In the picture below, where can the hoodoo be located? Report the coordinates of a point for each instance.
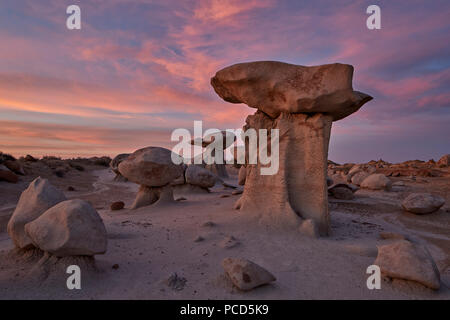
(302, 102)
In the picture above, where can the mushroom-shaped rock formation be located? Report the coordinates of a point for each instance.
(302, 102)
(114, 165)
(208, 142)
(154, 170)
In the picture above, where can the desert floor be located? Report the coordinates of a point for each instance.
(151, 243)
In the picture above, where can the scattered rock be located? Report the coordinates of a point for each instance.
(208, 224)
(114, 165)
(246, 275)
(34, 201)
(341, 191)
(377, 181)
(398, 184)
(118, 205)
(422, 203)
(229, 242)
(70, 188)
(7, 175)
(70, 228)
(181, 199)
(359, 177)
(408, 261)
(115, 266)
(175, 282)
(199, 176)
(225, 196)
(199, 239)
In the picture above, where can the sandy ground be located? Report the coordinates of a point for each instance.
(149, 244)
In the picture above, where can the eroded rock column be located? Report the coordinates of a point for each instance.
(302, 102)
(297, 191)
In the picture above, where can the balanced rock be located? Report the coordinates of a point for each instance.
(377, 181)
(7, 175)
(422, 203)
(70, 228)
(301, 102)
(245, 274)
(153, 168)
(275, 87)
(408, 261)
(34, 201)
(198, 176)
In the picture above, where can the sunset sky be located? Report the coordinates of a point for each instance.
(139, 69)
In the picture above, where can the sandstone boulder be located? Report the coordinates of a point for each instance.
(245, 274)
(422, 203)
(151, 166)
(114, 164)
(117, 205)
(408, 261)
(359, 177)
(377, 181)
(341, 191)
(274, 87)
(34, 201)
(70, 228)
(198, 176)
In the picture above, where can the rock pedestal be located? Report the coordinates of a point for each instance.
(297, 190)
(302, 102)
(154, 170)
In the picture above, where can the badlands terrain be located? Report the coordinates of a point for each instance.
(175, 251)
